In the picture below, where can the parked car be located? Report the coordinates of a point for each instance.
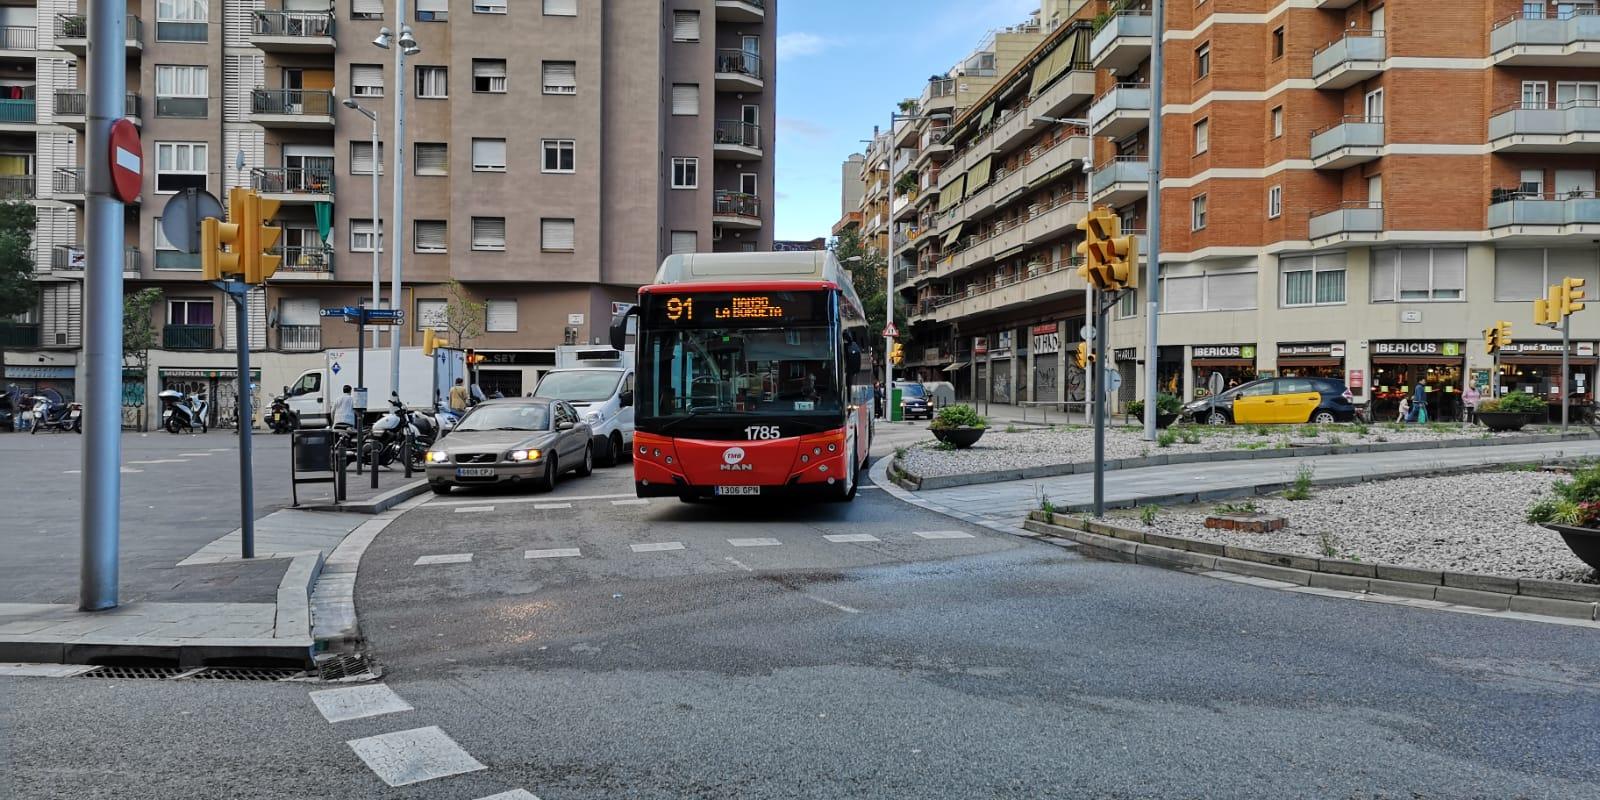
(531, 440)
(1276, 400)
(914, 401)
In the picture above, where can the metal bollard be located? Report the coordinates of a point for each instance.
(410, 442)
(340, 474)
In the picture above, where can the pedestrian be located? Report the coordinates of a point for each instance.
(458, 396)
(877, 397)
(1405, 409)
(1469, 401)
(344, 409)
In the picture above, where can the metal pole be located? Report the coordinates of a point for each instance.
(361, 356)
(397, 161)
(1100, 412)
(888, 295)
(1566, 369)
(377, 237)
(247, 484)
(101, 479)
(1152, 279)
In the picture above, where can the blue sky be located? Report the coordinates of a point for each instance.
(842, 66)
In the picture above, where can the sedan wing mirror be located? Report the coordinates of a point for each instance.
(564, 426)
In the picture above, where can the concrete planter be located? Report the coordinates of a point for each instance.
(1505, 420)
(1583, 542)
(1162, 420)
(960, 438)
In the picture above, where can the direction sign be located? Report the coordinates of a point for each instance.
(386, 313)
(127, 161)
(338, 312)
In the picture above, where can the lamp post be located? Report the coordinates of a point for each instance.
(405, 46)
(377, 239)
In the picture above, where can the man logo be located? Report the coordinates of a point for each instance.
(732, 460)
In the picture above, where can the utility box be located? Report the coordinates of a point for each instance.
(896, 413)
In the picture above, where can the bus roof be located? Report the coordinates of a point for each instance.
(812, 266)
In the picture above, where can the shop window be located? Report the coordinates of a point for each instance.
(1313, 280)
(1419, 275)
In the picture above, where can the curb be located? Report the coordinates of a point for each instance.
(376, 505)
(1573, 601)
(914, 482)
(334, 625)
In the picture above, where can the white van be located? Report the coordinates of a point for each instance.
(603, 396)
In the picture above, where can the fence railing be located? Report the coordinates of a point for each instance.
(292, 180)
(739, 62)
(18, 37)
(300, 338)
(67, 180)
(739, 132)
(738, 204)
(75, 104)
(188, 337)
(22, 111)
(18, 185)
(306, 258)
(292, 102)
(19, 334)
(76, 26)
(294, 23)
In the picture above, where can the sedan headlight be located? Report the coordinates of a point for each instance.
(524, 455)
(438, 456)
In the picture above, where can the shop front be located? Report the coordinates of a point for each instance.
(1128, 366)
(512, 373)
(1311, 360)
(1169, 370)
(1219, 367)
(31, 380)
(220, 388)
(1046, 350)
(1400, 368)
(1000, 369)
(1535, 368)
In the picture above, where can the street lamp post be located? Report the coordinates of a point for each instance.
(377, 248)
(405, 46)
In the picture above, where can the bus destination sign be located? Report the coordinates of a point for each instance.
(716, 309)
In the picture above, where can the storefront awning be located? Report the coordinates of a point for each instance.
(955, 366)
(1317, 361)
(1223, 362)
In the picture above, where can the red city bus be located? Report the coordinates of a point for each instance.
(749, 378)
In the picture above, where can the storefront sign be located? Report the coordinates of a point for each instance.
(509, 358)
(201, 372)
(1047, 342)
(1448, 349)
(1040, 330)
(1585, 349)
(1357, 380)
(1327, 350)
(1125, 354)
(980, 345)
(40, 373)
(1225, 351)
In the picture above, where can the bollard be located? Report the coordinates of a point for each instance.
(340, 474)
(410, 442)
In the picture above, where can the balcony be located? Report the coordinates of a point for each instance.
(292, 108)
(1058, 218)
(1071, 89)
(71, 109)
(1352, 220)
(72, 34)
(939, 96)
(1045, 164)
(905, 206)
(1336, 5)
(737, 140)
(738, 71)
(19, 334)
(18, 41)
(68, 258)
(1011, 128)
(18, 115)
(1547, 40)
(1008, 184)
(1575, 214)
(305, 262)
(1355, 140)
(299, 338)
(18, 186)
(293, 184)
(1120, 181)
(1571, 127)
(977, 251)
(1357, 56)
(66, 183)
(177, 260)
(1008, 239)
(1047, 282)
(740, 210)
(187, 337)
(1123, 42)
(741, 10)
(1121, 112)
(293, 31)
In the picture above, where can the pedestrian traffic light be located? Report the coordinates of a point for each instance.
(897, 354)
(1571, 295)
(220, 248)
(1083, 358)
(259, 239)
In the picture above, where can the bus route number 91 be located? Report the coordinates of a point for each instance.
(762, 432)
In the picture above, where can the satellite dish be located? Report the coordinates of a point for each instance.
(180, 220)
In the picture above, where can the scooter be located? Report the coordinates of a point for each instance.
(51, 412)
(279, 418)
(181, 412)
(388, 436)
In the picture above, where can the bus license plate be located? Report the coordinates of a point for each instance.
(738, 491)
(474, 472)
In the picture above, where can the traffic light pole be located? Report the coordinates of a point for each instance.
(1152, 280)
(1566, 369)
(1100, 404)
(239, 294)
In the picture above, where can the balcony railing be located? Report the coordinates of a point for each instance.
(18, 185)
(739, 204)
(67, 180)
(19, 334)
(75, 104)
(68, 257)
(309, 24)
(1351, 216)
(18, 37)
(76, 26)
(1350, 131)
(177, 259)
(306, 258)
(1122, 32)
(300, 338)
(1355, 46)
(187, 337)
(1571, 119)
(292, 102)
(22, 111)
(1122, 169)
(738, 62)
(186, 107)
(1576, 207)
(1124, 97)
(944, 87)
(738, 132)
(1569, 30)
(292, 180)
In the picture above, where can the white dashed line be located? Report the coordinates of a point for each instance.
(473, 509)
(554, 552)
(637, 501)
(202, 455)
(550, 506)
(740, 564)
(74, 472)
(514, 794)
(447, 558)
(162, 461)
(825, 601)
(421, 754)
(943, 534)
(221, 449)
(127, 471)
(358, 702)
(851, 537)
(656, 547)
(869, 488)
(761, 542)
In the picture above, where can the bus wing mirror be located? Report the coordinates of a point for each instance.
(852, 358)
(619, 328)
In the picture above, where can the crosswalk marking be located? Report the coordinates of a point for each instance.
(851, 537)
(549, 506)
(447, 558)
(554, 552)
(942, 534)
(514, 794)
(473, 509)
(358, 702)
(760, 542)
(420, 754)
(656, 547)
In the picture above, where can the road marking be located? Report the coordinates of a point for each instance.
(406, 757)
(943, 534)
(550, 506)
(637, 501)
(358, 702)
(162, 461)
(44, 670)
(872, 488)
(473, 509)
(554, 552)
(221, 449)
(447, 558)
(76, 471)
(740, 564)
(760, 542)
(127, 471)
(851, 537)
(438, 503)
(514, 794)
(195, 455)
(656, 547)
(825, 601)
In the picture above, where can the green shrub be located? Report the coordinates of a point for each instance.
(1246, 507)
(1147, 515)
(1361, 430)
(960, 415)
(1165, 404)
(1308, 431)
(1166, 439)
(1260, 430)
(1300, 489)
(1518, 403)
(1189, 435)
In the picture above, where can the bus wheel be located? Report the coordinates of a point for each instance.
(852, 479)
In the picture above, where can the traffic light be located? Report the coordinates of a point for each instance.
(1541, 312)
(1125, 263)
(1491, 340)
(1083, 358)
(1099, 227)
(220, 245)
(432, 341)
(897, 354)
(1503, 333)
(1571, 295)
(1554, 303)
(473, 358)
(259, 239)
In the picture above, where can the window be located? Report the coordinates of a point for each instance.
(556, 234)
(560, 155)
(429, 236)
(1532, 183)
(433, 82)
(1535, 94)
(362, 239)
(1197, 213)
(433, 10)
(488, 6)
(489, 75)
(1202, 136)
(1277, 122)
(1313, 280)
(190, 312)
(488, 155)
(181, 91)
(685, 173)
(685, 242)
(561, 8)
(500, 316)
(1202, 61)
(560, 77)
(685, 26)
(685, 99)
(366, 80)
(1524, 274)
(749, 183)
(361, 161)
(1581, 94)
(432, 314)
(366, 9)
(433, 158)
(1419, 275)
(1228, 291)
(180, 165)
(1275, 202)
(1128, 304)
(181, 20)
(1373, 106)
(488, 233)
(1277, 43)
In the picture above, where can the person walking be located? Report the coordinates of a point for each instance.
(344, 409)
(1405, 409)
(1469, 401)
(458, 397)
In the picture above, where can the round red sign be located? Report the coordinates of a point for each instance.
(127, 161)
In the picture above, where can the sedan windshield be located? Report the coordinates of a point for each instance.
(518, 417)
(913, 390)
(579, 386)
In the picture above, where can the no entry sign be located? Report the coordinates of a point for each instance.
(127, 161)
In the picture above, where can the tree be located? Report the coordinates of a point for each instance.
(869, 275)
(138, 331)
(18, 293)
(463, 316)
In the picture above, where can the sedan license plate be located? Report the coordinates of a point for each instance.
(474, 472)
(738, 491)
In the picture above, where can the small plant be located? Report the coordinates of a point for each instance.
(1308, 431)
(1574, 502)
(944, 447)
(1013, 429)
(1166, 439)
(1361, 429)
(1260, 430)
(1300, 489)
(1165, 404)
(1251, 445)
(1147, 515)
(900, 453)
(1328, 544)
(1189, 435)
(1047, 507)
(1394, 426)
(1516, 403)
(960, 415)
(1334, 439)
(1520, 468)
(1246, 507)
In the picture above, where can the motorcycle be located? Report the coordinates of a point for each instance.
(183, 412)
(279, 418)
(51, 411)
(388, 436)
(14, 407)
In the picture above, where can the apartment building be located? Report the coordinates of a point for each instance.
(556, 151)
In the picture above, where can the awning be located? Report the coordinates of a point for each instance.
(954, 367)
(986, 117)
(1056, 63)
(1011, 252)
(1313, 361)
(953, 234)
(1053, 174)
(979, 174)
(950, 195)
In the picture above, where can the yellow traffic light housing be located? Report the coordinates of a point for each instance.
(221, 251)
(1124, 264)
(1490, 340)
(431, 342)
(259, 239)
(897, 354)
(1083, 358)
(1541, 312)
(1502, 333)
(1571, 295)
(1100, 228)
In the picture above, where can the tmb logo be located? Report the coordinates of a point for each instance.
(733, 460)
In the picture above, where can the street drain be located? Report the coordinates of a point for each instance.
(348, 667)
(246, 674)
(135, 673)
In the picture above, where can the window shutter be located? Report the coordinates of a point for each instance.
(557, 234)
(686, 26)
(1231, 292)
(430, 236)
(500, 316)
(367, 75)
(1414, 266)
(366, 9)
(299, 311)
(1382, 279)
(561, 8)
(1183, 294)
(561, 76)
(433, 158)
(431, 314)
(256, 303)
(1518, 274)
(1577, 263)
(435, 6)
(1449, 271)
(361, 158)
(684, 242)
(488, 154)
(489, 233)
(487, 68)
(685, 99)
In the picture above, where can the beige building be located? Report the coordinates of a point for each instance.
(556, 151)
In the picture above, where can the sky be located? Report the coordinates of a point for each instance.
(842, 66)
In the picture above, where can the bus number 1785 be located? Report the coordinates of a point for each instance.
(762, 432)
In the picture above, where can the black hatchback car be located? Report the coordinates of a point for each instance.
(1276, 400)
(914, 401)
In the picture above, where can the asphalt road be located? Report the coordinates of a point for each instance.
(985, 666)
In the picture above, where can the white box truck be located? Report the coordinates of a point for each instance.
(425, 382)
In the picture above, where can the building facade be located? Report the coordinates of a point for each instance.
(556, 151)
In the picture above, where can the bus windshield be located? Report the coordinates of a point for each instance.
(751, 370)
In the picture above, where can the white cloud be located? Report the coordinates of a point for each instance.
(799, 45)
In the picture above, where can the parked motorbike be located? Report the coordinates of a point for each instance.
(388, 436)
(52, 412)
(14, 409)
(279, 418)
(180, 412)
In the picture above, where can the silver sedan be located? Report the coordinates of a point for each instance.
(525, 440)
